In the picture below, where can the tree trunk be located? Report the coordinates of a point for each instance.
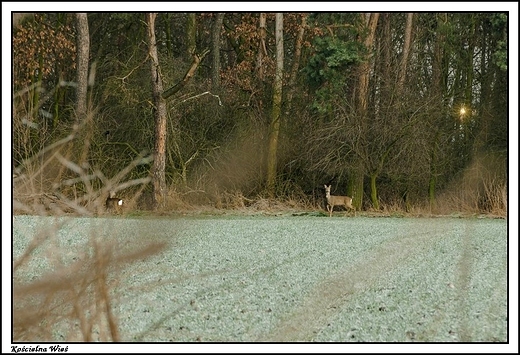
(355, 184)
(159, 164)
(274, 129)
(296, 63)
(432, 181)
(191, 34)
(406, 53)
(438, 89)
(373, 191)
(83, 40)
(197, 59)
(215, 43)
(262, 51)
(362, 105)
(364, 72)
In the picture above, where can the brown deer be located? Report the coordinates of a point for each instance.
(113, 203)
(337, 201)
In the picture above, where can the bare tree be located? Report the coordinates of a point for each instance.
(437, 90)
(274, 129)
(358, 172)
(406, 53)
(191, 33)
(215, 42)
(262, 51)
(364, 69)
(83, 40)
(159, 165)
(296, 62)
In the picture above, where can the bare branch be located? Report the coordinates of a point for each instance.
(197, 58)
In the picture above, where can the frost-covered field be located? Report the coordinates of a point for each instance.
(285, 279)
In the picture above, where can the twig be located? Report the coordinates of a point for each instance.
(204, 93)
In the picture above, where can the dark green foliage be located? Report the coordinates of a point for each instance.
(499, 25)
(332, 57)
(329, 67)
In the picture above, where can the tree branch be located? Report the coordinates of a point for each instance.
(197, 58)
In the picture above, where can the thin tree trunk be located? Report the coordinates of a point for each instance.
(191, 34)
(197, 59)
(274, 129)
(296, 63)
(433, 180)
(373, 190)
(406, 53)
(262, 51)
(215, 70)
(358, 174)
(438, 88)
(364, 73)
(83, 40)
(159, 164)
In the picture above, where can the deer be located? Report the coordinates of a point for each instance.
(113, 203)
(337, 201)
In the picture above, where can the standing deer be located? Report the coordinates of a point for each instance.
(337, 201)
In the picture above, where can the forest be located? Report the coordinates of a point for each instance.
(404, 112)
